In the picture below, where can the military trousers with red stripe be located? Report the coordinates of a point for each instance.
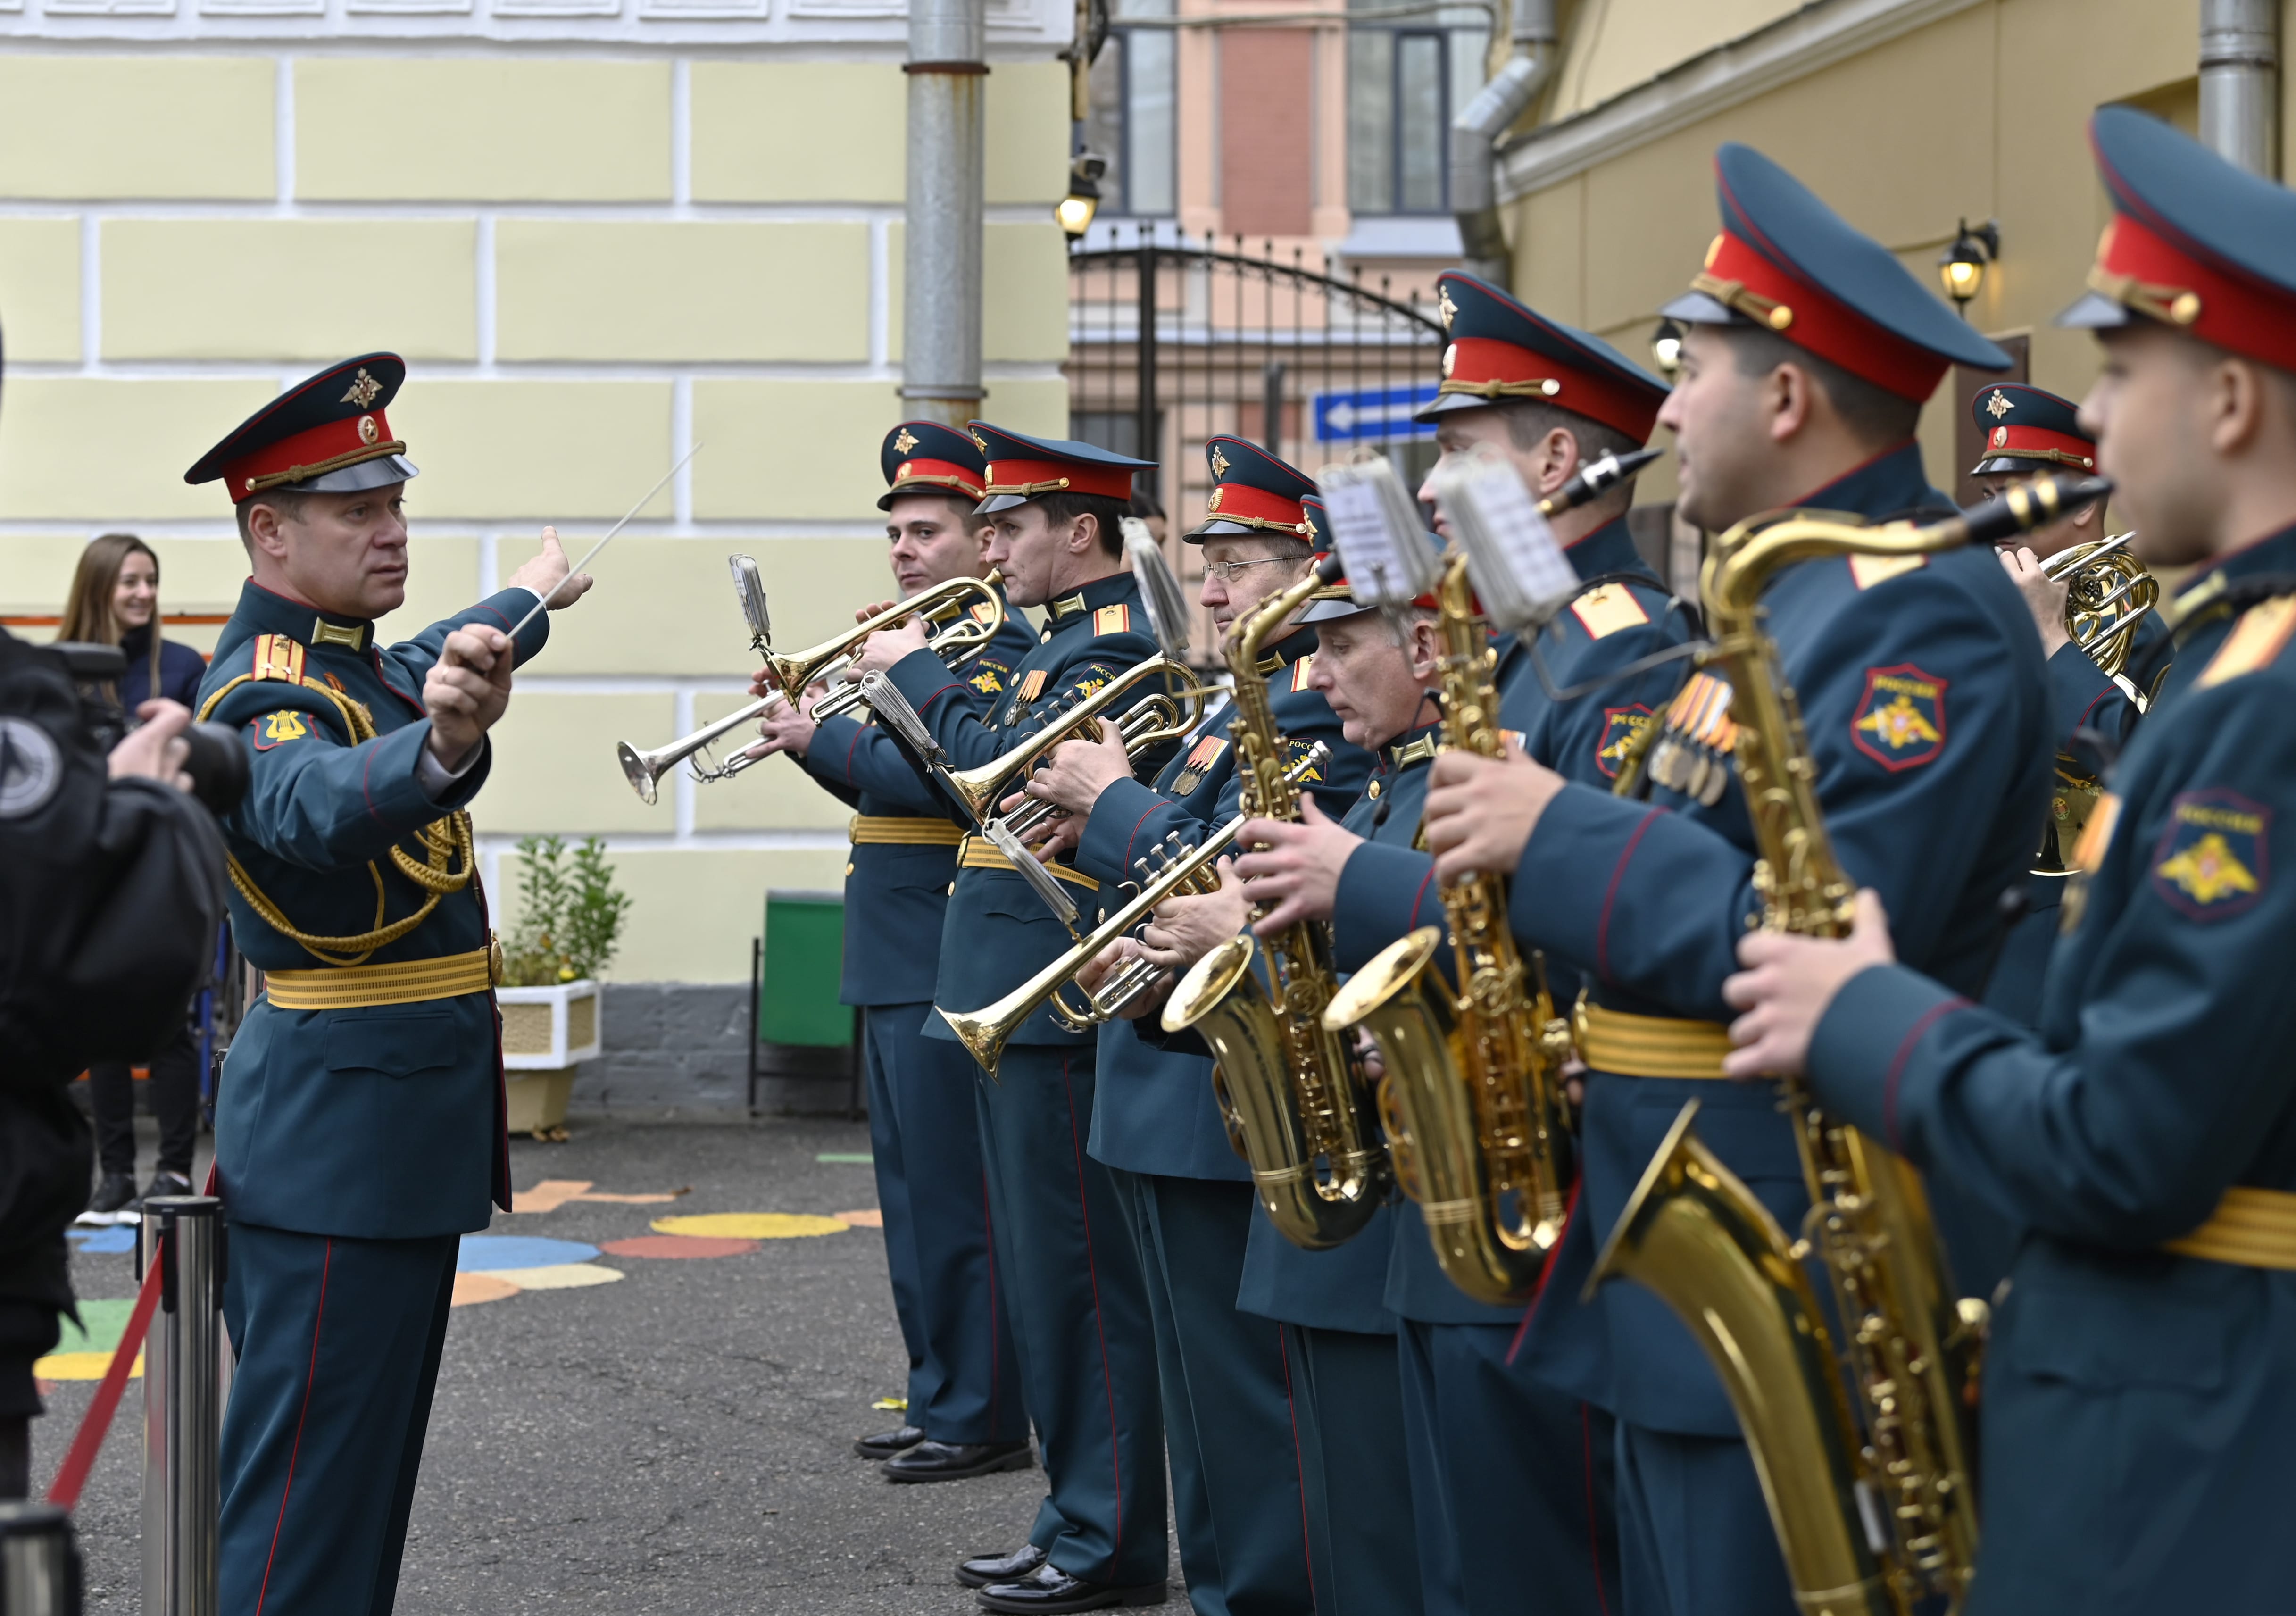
(338, 1341)
(1078, 1303)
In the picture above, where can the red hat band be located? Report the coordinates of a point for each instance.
(311, 454)
(2141, 269)
(1803, 313)
(1029, 478)
(939, 474)
(1252, 507)
(1484, 367)
(2038, 443)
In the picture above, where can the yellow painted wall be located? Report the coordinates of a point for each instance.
(1980, 115)
(594, 259)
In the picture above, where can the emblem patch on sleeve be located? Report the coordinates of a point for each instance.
(2213, 860)
(1900, 721)
(1621, 726)
(987, 679)
(285, 725)
(1112, 620)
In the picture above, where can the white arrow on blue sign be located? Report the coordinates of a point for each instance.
(1378, 413)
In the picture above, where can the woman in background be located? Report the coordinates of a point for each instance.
(115, 601)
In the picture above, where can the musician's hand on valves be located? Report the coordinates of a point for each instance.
(1787, 984)
(1187, 927)
(784, 729)
(468, 689)
(887, 646)
(1481, 811)
(546, 575)
(1293, 872)
(1103, 965)
(1078, 771)
(2044, 596)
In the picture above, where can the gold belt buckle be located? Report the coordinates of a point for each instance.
(494, 960)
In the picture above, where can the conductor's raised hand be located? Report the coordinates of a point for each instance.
(467, 690)
(548, 575)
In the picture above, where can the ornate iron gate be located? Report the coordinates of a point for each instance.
(1172, 341)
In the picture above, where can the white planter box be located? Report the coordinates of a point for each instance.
(549, 1028)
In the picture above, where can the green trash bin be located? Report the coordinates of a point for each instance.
(799, 961)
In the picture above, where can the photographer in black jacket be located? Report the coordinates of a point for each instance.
(112, 884)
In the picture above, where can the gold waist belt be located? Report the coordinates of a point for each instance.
(403, 982)
(2251, 1228)
(973, 853)
(1650, 1046)
(913, 833)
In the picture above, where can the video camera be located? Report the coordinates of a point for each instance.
(217, 763)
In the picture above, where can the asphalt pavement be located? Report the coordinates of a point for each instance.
(675, 1441)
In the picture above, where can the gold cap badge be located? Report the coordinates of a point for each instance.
(367, 432)
(1219, 462)
(1446, 308)
(1998, 405)
(364, 389)
(905, 444)
(2000, 436)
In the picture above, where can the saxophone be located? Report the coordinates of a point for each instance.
(1871, 1484)
(1288, 1091)
(1473, 1103)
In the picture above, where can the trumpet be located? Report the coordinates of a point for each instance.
(1164, 715)
(987, 1030)
(645, 770)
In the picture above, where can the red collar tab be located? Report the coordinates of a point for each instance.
(2038, 443)
(936, 473)
(1250, 507)
(1804, 313)
(2141, 269)
(1484, 367)
(1029, 478)
(311, 453)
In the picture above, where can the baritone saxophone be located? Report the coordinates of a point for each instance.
(1864, 1443)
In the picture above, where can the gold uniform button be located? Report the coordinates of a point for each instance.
(1371, 791)
(848, 869)
(952, 888)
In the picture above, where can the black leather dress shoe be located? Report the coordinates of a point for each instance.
(931, 1461)
(982, 1569)
(885, 1444)
(1052, 1589)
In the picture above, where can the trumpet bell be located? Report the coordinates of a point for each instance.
(641, 769)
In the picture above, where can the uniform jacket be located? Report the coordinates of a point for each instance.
(1344, 1287)
(1153, 1111)
(384, 1122)
(998, 932)
(2138, 1405)
(1388, 888)
(896, 893)
(1924, 699)
(181, 670)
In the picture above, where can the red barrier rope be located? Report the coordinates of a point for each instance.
(71, 1475)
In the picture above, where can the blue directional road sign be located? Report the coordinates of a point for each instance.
(1380, 413)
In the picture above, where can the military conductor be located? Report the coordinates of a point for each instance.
(359, 1127)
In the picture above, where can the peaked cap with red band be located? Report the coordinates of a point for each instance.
(1253, 493)
(326, 435)
(1501, 350)
(1021, 468)
(1789, 263)
(926, 457)
(2196, 243)
(1337, 601)
(2028, 429)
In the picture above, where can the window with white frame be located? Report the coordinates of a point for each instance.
(1130, 120)
(1407, 78)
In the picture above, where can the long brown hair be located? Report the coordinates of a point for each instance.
(88, 614)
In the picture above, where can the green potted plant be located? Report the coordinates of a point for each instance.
(569, 922)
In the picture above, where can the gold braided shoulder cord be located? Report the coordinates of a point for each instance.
(441, 840)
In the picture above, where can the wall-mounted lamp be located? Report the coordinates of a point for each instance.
(1961, 267)
(1074, 210)
(1666, 349)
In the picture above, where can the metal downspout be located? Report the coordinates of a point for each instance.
(2240, 82)
(941, 321)
(1476, 131)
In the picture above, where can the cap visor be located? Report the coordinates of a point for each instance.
(1331, 611)
(2010, 466)
(1443, 403)
(379, 473)
(1217, 528)
(2094, 312)
(1000, 502)
(1699, 309)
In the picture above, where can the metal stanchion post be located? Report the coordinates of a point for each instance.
(39, 1561)
(182, 1406)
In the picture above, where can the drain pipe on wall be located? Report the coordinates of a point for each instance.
(1476, 131)
(2240, 82)
(940, 319)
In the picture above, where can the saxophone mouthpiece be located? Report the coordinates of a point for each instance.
(1596, 480)
(2026, 506)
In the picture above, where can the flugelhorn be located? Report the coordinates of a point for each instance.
(970, 611)
(1169, 712)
